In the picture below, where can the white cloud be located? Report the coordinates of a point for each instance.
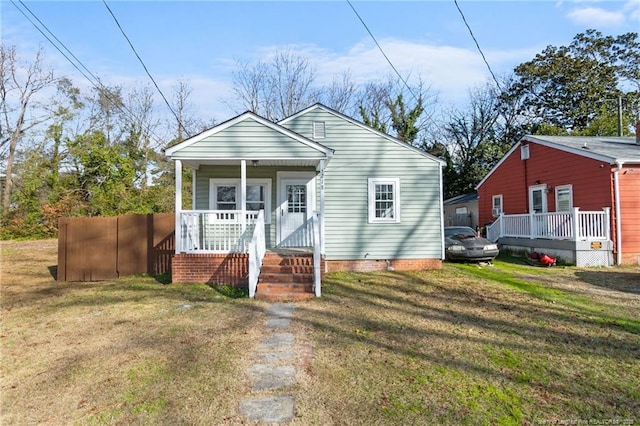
(595, 17)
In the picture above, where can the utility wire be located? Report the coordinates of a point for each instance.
(145, 68)
(382, 51)
(95, 81)
(478, 45)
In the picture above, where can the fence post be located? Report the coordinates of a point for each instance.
(607, 222)
(576, 224)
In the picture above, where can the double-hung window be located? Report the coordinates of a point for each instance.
(224, 194)
(564, 198)
(384, 200)
(496, 205)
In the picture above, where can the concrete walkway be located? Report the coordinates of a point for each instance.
(272, 372)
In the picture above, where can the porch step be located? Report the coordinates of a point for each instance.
(283, 292)
(286, 277)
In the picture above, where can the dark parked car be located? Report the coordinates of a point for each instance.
(463, 243)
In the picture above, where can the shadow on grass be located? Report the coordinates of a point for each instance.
(624, 281)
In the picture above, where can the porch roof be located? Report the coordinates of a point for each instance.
(252, 138)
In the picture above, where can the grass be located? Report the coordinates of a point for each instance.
(507, 344)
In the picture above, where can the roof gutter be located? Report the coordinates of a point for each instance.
(616, 189)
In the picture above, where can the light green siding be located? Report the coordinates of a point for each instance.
(361, 154)
(248, 139)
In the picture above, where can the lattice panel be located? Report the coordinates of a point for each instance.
(593, 258)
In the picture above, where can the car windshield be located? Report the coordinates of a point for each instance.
(462, 231)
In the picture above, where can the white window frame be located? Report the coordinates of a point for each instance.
(395, 183)
(319, 130)
(543, 189)
(494, 209)
(214, 183)
(570, 192)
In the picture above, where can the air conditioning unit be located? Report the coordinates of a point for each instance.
(496, 212)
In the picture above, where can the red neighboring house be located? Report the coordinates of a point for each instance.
(543, 174)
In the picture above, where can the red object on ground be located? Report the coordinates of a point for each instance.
(547, 260)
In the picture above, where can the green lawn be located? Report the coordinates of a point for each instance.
(468, 344)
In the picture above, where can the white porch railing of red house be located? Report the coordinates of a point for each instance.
(215, 231)
(574, 225)
(257, 250)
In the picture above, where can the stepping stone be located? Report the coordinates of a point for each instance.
(266, 370)
(278, 323)
(281, 310)
(272, 409)
(279, 341)
(273, 357)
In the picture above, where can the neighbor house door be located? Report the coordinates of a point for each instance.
(296, 196)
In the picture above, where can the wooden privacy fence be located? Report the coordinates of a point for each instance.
(102, 248)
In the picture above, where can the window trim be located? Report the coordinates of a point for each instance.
(558, 189)
(215, 182)
(395, 183)
(493, 204)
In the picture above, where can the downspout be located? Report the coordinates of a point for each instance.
(616, 201)
(442, 255)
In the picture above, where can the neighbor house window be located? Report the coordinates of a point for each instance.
(496, 205)
(384, 200)
(319, 130)
(564, 198)
(224, 194)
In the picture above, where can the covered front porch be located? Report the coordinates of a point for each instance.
(578, 237)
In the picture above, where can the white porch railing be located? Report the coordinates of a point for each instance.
(574, 225)
(215, 231)
(257, 249)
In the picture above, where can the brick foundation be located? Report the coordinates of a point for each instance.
(231, 269)
(369, 265)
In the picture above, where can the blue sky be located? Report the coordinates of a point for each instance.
(201, 41)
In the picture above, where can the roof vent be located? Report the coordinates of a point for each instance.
(584, 146)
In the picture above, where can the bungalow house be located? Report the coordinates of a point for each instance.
(275, 205)
(574, 197)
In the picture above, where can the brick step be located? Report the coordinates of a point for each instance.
(286, 278)
(277, 287)
(287, 260)
(284, 296)
(280, 269)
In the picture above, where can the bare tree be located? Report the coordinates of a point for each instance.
(275, 89)
(19, 83)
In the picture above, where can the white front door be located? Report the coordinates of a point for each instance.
(296, 204)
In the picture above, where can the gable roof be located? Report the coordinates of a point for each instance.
(464, 198)
(609, 149)
(324, 108)
(248, 115)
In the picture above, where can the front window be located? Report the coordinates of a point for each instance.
(226, 197)
(384, 200)
(224, 194)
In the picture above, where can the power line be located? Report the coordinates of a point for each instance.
(478, 45)
(145, 68)
(382, 51)
(96, 83)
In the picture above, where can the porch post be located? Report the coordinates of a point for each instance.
(243, 195)
(178, 208)
(607, 223)
(576, 224)
(322, 206)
